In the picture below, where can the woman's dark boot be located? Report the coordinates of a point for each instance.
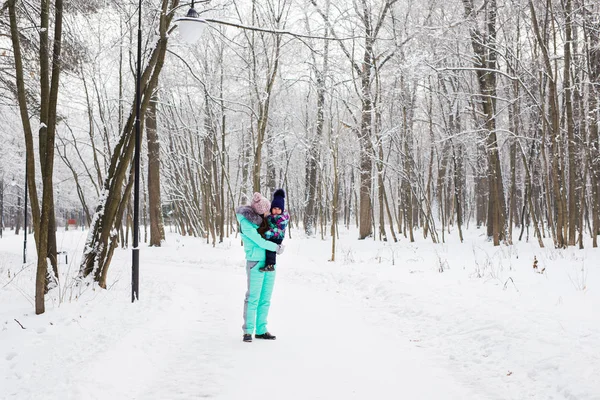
(265, 335)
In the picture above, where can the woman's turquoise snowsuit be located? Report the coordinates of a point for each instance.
(260, 284)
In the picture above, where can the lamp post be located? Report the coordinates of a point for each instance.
(190, 31)
(135, 269)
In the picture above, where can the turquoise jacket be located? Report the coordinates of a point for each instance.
(254, 244)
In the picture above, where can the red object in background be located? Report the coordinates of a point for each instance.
(72, 221)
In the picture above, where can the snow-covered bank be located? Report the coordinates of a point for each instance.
(381, 322)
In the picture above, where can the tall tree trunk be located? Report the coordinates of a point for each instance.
(314, 147)
(569, 99)
(528, 194)
(485, 62)
(157, 230)
(2, 206)
(366, 157)
(48, 100)
(336, 201)
(25, 118)
(513, 117)
(554, 131)
(408, 170)
(457, 160)
(18, 215)
(481, 186)
(428, 188)
(50, 68)
(592, 31)
(513, 189)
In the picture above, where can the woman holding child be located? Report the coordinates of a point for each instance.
(261, 275)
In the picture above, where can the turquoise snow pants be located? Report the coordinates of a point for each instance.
(258, 298)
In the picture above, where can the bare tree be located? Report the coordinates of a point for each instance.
(485, 63)
(50, 70)
(371, 25)
(157, 230)
(592, 33)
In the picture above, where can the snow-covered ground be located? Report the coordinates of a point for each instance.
(381, 322)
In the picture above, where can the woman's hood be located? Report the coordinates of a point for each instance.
(248, 213)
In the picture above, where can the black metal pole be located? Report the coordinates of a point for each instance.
(25, 217)
(135, 269)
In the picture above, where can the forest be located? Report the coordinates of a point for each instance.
(399, 117)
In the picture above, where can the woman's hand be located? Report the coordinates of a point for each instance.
(280, 249)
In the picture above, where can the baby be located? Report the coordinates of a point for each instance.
(275, 228)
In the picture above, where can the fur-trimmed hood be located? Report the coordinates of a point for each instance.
(248, 213)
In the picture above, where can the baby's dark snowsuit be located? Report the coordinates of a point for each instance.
(275, 232)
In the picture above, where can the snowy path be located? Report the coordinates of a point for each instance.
(360, 328)
(325, 350)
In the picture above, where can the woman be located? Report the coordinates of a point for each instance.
(260, 284)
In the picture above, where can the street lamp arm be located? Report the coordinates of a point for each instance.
(275, 31)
